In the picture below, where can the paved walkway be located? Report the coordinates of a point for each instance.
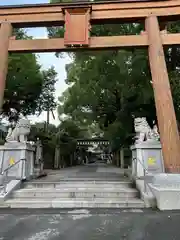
(89, 225)
(84, 224)
(96, 172)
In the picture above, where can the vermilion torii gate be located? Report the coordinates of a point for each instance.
(78, 18)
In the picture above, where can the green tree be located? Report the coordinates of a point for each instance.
(66, 140)
(113, 87)
(46, 99)
(27, 86)
(48, 139)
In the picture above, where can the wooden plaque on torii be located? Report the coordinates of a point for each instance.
(77, 24)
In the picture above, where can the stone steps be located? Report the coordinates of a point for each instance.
(76, 193)
(66, 203)
(78, 184)
(86, 179)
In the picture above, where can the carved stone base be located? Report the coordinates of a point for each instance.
(11, 153)
(146, 159)
(166, 188)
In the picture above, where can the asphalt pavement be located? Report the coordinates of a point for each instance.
(84, 224)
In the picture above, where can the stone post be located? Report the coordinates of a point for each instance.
(122, 157)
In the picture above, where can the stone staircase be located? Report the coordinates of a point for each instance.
(76, 193)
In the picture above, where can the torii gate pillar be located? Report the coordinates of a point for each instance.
(163, 99)
(5, 34)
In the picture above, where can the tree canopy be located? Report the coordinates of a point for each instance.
(29, 89)
(110, 88)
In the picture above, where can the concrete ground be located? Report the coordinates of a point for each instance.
(96, 171)
(85, 224)
(89, 225)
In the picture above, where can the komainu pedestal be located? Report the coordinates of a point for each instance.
(18, 152)
(146, 152)
(146, 159)
(23, 153)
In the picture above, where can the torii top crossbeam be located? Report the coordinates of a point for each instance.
(78, 18)
(37, 15)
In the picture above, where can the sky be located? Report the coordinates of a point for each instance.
(45, 59)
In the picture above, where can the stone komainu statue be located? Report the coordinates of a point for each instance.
(144, 132)
(20, 132)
